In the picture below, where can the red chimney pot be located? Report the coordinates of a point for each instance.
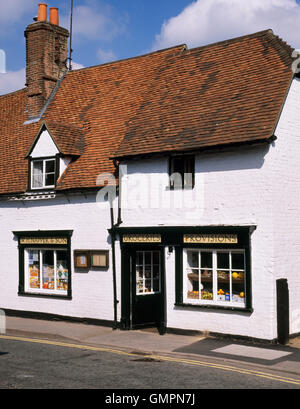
(54, 19)
(42, 12)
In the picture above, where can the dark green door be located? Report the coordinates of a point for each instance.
(147, 287)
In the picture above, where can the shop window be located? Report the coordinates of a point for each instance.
(43, 173)
(182, 172)
(44, 263)
(214, 277)
(46, 271)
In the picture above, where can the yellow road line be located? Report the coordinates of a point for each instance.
(256, 373)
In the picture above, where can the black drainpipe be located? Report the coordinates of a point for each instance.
(113, 248)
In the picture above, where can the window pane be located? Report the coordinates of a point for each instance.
(48, 269)
(62, 271)
(193, 259)
(50, 179)
(139, 272)
(238, 261)
(147, 257)
(34, 268)
(50, 166)
(223, 260)
(206, 260)
(37, 174)
(192, 285)
(223, 285)
(206, 284)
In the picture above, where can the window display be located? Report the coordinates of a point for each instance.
(215, 276)
(46, 271)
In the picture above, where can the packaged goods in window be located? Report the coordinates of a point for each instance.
(207, 295)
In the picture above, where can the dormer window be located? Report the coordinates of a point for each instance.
(43, 173)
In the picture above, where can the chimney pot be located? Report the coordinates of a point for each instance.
(42, 12)
(54, 19)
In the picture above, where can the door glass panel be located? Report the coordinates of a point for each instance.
(147, 272)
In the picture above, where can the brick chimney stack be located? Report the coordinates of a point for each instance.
(46, 58)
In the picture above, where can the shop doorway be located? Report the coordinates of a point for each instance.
(143, 284)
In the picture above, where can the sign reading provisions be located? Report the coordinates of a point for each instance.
(43, 240)
(211, 238)
(142, 238)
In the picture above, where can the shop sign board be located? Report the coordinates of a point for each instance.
(142, 238)
(43, 240)
(211, 238)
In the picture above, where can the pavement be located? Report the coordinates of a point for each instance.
(274, 357)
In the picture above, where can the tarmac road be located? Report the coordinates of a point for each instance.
(41, 364)
(40, 354)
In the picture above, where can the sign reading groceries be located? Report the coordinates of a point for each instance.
(211, 238)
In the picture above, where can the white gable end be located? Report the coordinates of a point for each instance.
(44, 146)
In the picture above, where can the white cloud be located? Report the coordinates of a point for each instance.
(207, 21)
(96, 21)
(15, 80)
(12, 81)
(106, 56)
(12, 11)
(76, 66)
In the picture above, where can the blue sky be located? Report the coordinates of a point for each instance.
(108, 30)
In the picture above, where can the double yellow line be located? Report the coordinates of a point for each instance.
(255, 373)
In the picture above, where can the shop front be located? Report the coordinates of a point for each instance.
(211, 270)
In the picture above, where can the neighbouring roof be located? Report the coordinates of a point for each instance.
(171, 100)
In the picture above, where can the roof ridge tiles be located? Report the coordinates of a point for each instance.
(180, 47)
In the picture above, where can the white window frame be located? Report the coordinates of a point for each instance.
(44, 186)
(214, 301)
(42, 290)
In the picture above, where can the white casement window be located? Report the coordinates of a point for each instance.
(214, 277)
(46, 271)
(43, 173)
(148, 274)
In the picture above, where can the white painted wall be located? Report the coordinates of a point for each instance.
(92, 291)
(286, 201)
(44, 146)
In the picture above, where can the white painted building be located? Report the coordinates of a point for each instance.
(203, 221)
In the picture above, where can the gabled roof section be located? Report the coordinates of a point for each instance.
(69, 140)
(224, 93)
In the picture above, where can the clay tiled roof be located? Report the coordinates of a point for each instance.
(224, 93)
(15, 139)
(87, 117)
(100, 101)
(171, 100)
(68, 139)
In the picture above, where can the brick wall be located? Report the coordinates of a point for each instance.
(46, 55)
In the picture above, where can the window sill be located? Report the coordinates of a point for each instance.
(39, 295)
(214, 307)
